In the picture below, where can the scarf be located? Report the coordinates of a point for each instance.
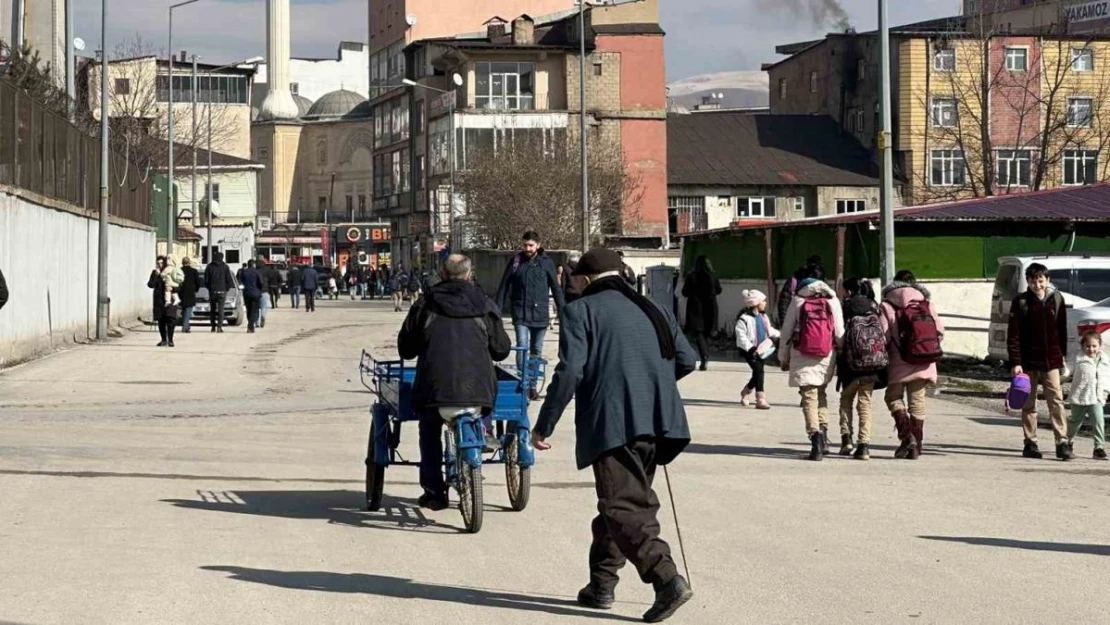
(658, 320)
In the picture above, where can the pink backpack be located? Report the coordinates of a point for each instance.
(814, 333)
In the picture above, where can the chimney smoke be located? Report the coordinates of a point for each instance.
(821, 13)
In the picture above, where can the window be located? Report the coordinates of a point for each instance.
(782, 88)
(1017, 59)
(844, 207)
(1082, 60)
(231, 257)
(218, 88)
(598, 69)
(505, 86)
(689, 213)
(861, 70)
(214, 193)
(813, 82)
(1014, 168)
(945, 113)
(123, 86)
(1079, 112)
(948, 168)
(798, 203)
(1080, 166)
(757, 207)
(418, 175)
(1092, 284)
(295, 88)
(322, 204)
(861, 121)
(945, 60)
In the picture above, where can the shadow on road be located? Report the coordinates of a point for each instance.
(340, 507)
(971, 450)
(738, 450)
(711, 403)
(1084, 549)
(400, 588)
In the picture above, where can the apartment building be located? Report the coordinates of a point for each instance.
(973, 115)
(1055, 16)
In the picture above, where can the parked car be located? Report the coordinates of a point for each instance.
(1083, 280)
(235, 305)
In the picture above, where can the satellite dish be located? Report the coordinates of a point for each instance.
(410, 19)
(215, 207)
(457, 79)
(78, 44)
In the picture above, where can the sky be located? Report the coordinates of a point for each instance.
(703, 36)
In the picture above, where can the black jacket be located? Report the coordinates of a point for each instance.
(3, 290)
(610, 361)
(251, 281)
(294, 277)
(159, 302)
(1037, 338)
(701, 289)
(456, 334)
(188, 289)
(526, 288)
(217, 275)
(264, 277)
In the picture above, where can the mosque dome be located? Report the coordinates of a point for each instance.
(341, 104)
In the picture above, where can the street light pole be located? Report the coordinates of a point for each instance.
(193, 140)
(102, 234)
(582, 125)
(171, 203)
(886, 195)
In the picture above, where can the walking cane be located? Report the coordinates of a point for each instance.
(678, 528)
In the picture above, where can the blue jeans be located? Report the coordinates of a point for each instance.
(295, 295)
(186, 318)
(265, 305)
(530, 339)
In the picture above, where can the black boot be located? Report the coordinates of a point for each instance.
(817, 450)
(1063, 451)
(846, 446)
(668, 599)
(1031, 451)
(863, 452)
(825, 440)
(595, 597)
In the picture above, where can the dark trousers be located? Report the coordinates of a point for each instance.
(166, 326)
(431, 454)
(703, 346)
(275, 295)
(757, 372)
(254, 303)
(216, 303)
(310, 301)
(626, 527)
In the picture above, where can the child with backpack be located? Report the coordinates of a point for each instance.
(1089, 389)
(861, 368)
(755, 336)
(814, 325)
(1037, 342)
(914, 333)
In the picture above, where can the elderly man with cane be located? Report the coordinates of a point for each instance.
(622, 357)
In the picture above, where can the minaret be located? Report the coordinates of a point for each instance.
(278, 103)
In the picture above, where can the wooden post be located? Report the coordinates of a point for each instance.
(767, 236)
(840, 238)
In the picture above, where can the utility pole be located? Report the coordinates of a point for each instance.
(193, 140)
(171, 203)
(102, 238)
(886, 194)
(71, 85)
(582, 125)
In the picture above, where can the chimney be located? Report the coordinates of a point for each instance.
(524, 31)
(184, 57)
(495, 27)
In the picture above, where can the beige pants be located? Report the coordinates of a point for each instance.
(1054, 397)
(908, 396)
(861, 393)
(815, 407)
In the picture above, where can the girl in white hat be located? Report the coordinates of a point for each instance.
(755, 336)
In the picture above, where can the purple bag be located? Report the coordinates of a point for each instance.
(1020, 387)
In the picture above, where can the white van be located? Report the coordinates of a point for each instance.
(1083, 280)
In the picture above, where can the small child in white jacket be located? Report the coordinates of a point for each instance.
(1089, 388)
(754, 337)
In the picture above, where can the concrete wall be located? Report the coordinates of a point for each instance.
(48, 257)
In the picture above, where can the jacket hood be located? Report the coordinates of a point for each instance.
(859, 305)
(458, 299)
(817, 288)
(901, 293)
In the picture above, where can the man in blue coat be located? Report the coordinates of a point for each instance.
(253, 290)
(529, 281)
(310, 281)
(621, 356)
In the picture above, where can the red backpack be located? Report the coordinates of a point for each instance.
(813, 335)
(918, 337)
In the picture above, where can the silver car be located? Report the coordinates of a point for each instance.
(1090, 319)
(235, 307)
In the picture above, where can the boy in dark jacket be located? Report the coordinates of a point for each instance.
(218, 279)
(857, 386)
(1037, 342)
(455, 332)
(253, 290)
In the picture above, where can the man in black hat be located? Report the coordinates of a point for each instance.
(622, 357)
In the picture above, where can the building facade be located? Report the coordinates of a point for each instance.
(312, 79)
(44, 32)
(1055, 16)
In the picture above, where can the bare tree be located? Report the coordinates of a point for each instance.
(532, 184)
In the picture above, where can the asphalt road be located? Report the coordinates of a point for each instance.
(221, 482)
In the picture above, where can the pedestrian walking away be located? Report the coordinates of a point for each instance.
(187, 293)
(251, 282)
(814, 329)
(790, 287)
(396, 289)
(295, 286)
(861, 365)
(264, 278)
(756, 338)
(310, 282)
(701, 289)
(914, 333)
(1090, 388)
(1037, 342)
(275, 281)
(162, 314)
(218, 280)
(455, 335)
(529, 280)
(620, 357)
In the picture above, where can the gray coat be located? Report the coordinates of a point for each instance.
(609, 358)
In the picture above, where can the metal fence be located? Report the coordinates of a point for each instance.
(43, 152)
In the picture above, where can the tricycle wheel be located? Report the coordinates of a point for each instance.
(375, 477)
(470, 496)
(517, 478)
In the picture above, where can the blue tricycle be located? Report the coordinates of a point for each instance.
(392, 380)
